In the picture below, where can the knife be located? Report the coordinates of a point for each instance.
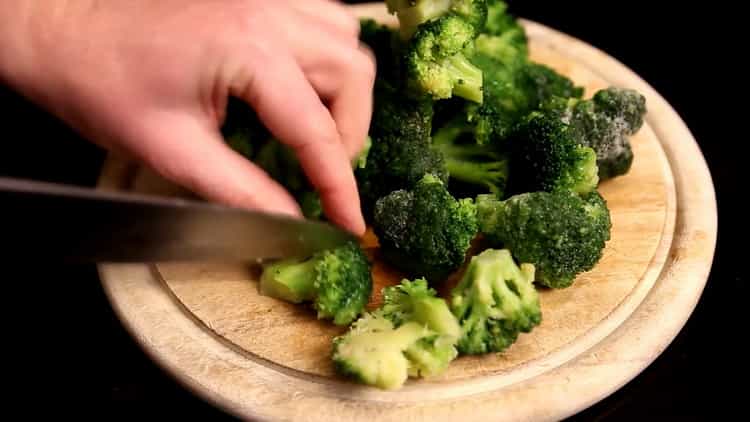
(42, 221)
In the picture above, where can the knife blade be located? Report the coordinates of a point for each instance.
(43, 221)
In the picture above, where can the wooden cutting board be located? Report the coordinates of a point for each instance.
(261, 358)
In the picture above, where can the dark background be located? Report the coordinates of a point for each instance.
(67, 355)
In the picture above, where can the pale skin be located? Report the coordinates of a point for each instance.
(151, 79)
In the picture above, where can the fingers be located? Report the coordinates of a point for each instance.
(343, 76)
(332, 14)
(292, 110)
(192, 154)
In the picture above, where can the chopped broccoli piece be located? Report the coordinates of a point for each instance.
(494, 302)
(425, 231)
(561, 234)
(338, 282)
(546, 157)
(435, 63)
(412, 334)
(604, 123)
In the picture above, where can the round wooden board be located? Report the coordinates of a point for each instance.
(260, 358)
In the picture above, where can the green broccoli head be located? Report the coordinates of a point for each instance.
(494, 302)
(605, 124)
(435, 64)
(513, 87)
(413, 13)
(424, 231)
(412, 334)
(546, 157)
(561, 234)
(337, 281)
(400, 154)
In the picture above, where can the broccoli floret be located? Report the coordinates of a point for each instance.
(337, 281)
(435, 63)
(413, 13)
(513, 87)
(425, 231)
(605, 123)
(546, 157)
(482, 167)
(413, 334)
(494, 302)
(561, 234)
(416, 301)
(400, 154)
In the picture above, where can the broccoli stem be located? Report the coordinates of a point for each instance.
(467, 76)
(410, 17)
(290, 279)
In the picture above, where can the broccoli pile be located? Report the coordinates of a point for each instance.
(482, 167)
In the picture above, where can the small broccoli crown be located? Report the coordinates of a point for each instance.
(605, 123)
(561, 234)
(545, 157)
(416, 301)
(482, 167)
(435, 64)
(425, 231)
(542, 83)
(495, 301)
(343, 283)
(400, 154)
(338, 282)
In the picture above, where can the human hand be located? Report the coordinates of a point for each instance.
(152, 79)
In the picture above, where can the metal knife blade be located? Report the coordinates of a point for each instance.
(44, 221)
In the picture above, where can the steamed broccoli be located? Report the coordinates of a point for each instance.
(546, 157)
(604, 123)
(435, 63)
(425, 231)
(412, 334)
(386, 46)
(500, 22)
(338, 282)
(494, 302)
(561, 234)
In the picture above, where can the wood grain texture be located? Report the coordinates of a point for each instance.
(258, 357)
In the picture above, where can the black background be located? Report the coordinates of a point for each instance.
(65, 353)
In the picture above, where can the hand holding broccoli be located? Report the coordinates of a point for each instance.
(152, 79)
